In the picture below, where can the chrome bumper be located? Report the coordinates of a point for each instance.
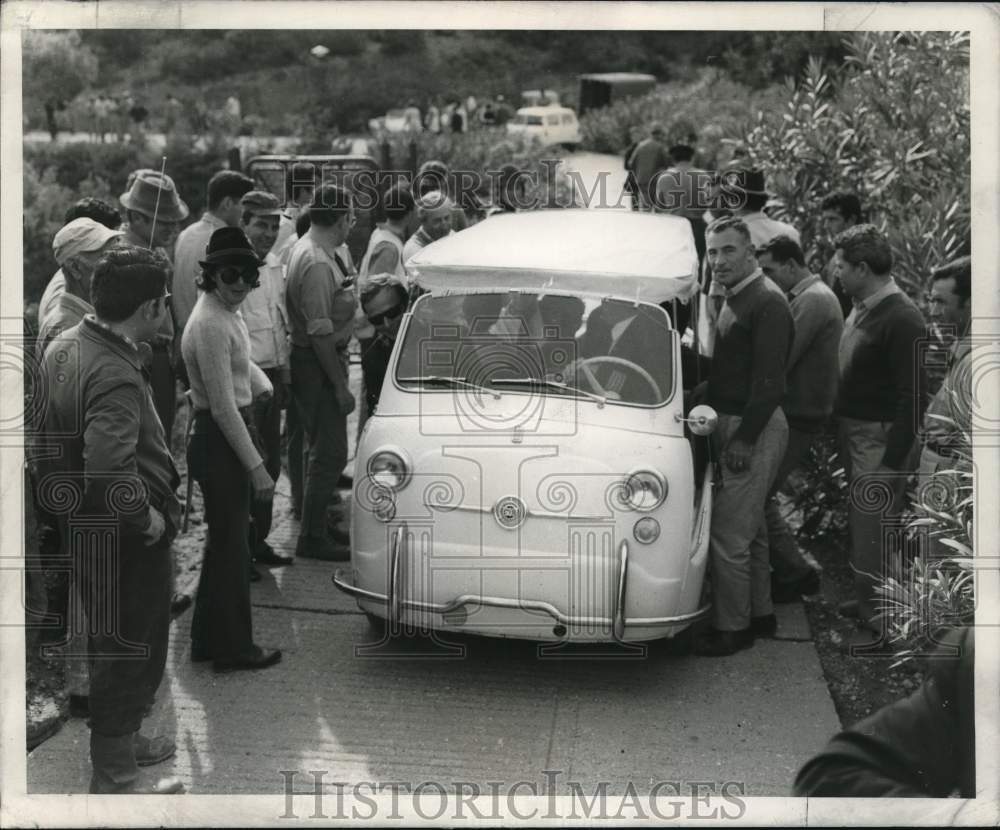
(343, 579)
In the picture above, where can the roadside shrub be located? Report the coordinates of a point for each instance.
(714, 107)
(930, 587)
(56, 175)
(891, 125)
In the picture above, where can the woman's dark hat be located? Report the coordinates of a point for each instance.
(229, 246)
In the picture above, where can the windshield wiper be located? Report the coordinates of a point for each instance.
(552, 384)
(447, 380)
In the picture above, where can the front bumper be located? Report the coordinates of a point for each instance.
(396, 603)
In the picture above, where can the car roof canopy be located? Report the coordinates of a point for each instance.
(641, 256)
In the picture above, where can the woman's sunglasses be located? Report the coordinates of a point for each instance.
(391, 314)
(229, 274)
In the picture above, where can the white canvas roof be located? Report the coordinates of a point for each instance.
(640, 256)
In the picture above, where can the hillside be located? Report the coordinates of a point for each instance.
(281, 85)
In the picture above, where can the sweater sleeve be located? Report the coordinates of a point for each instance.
(214, 346)
(808, 318)
(901, 347)
(110, 438)
(771, 337)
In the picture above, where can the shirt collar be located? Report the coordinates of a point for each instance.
(803, 284)
(70, 302)
(133, 352)
(873, 300)
(736, 289)
(210, 218)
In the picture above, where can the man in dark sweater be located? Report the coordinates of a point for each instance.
(811, 389)
(880, 401)
(745, 385)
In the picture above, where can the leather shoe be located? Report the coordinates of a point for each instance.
(318, 547)
(199, 655)
(806, 585)
(265, 555)
(262, 658)
(345, 482)
(723, 643)
(150, 751)
(764, 626)
(100, 785)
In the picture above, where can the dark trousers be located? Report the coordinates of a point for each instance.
(326, 437)
(268, 419)
(125, 588)
(163, 382)
(221, 626)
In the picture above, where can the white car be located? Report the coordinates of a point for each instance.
(550, 125)
(527, 472)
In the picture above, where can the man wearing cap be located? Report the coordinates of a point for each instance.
(113, 481)
(89, 208)
(321, 304)
(77, 248)
(435, 175)
(225, 189)
(646, 161)
(264, 312)
(224, 454)
(435, 212)
(153, 215)
(300, 184)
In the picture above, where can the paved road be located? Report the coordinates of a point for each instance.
(498, 711)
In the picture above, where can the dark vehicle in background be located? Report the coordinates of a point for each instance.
(360, 174)
(599, 90)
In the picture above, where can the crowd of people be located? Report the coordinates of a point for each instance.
(250, 312)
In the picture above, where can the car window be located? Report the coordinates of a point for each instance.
(552, 120)
(567, 118)
(533, 120)
(612, 348)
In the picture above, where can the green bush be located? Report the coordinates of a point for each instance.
(892, 125)
(56, 175)
(714, 108)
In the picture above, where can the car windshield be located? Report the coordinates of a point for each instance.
(610, 351)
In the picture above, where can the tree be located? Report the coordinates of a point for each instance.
(57, 67)
(891, 125)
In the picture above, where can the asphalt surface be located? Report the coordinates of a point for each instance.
(487, 710)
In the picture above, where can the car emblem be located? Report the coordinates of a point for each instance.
(510, 512)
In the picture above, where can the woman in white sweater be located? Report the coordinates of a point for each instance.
(224, 455)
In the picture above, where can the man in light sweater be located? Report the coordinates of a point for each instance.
(811, 383)
(745, 386)
(880, 400)
(267, 322)
(435, 211)
(224, 454)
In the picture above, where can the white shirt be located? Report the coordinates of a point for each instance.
(264, 313)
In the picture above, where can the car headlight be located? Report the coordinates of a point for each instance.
(388, 469)
(645, 490)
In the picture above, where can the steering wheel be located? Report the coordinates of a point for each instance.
(584, 367)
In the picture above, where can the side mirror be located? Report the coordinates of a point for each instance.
(702, 420)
